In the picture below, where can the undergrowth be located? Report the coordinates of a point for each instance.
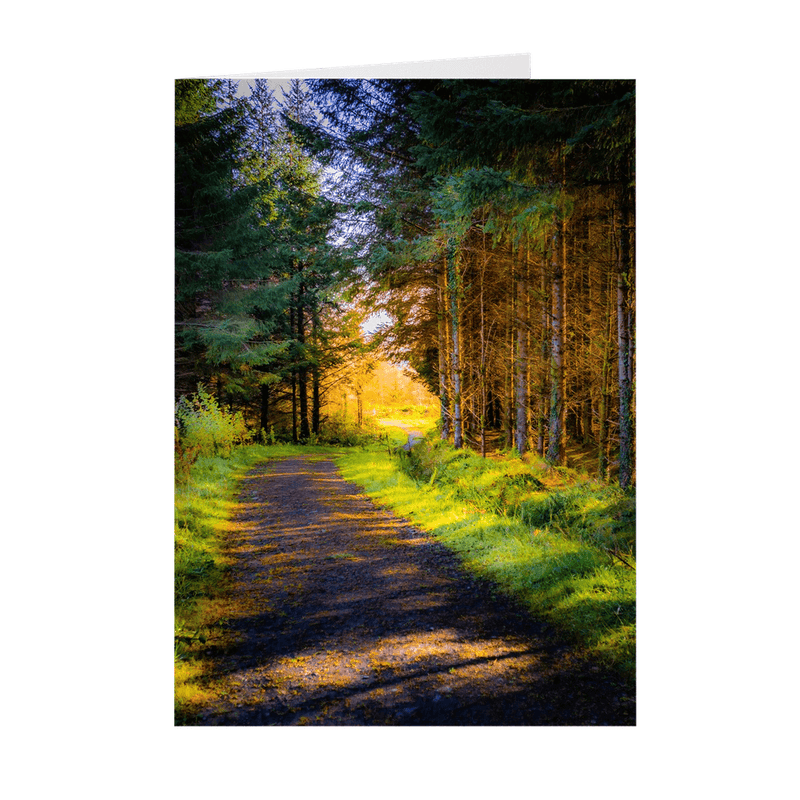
(202, 428)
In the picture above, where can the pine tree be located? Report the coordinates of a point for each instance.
(254, 262)
(482, 215)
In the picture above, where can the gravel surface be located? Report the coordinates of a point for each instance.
(339, 613)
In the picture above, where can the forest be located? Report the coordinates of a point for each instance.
(414, 298)
(489, 225)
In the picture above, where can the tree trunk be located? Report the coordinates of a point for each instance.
(586, 421)
(453, 285)
(482, 374)
(264, 410)
(521, 368)
(543, 361)
(555, 450)
(294, 383)
(294, 407)
(458, 433)
(604, 399)
(602, 415)
(444, 401)
(305, 431)
(623, 340)
(315, 399)
(508, 367)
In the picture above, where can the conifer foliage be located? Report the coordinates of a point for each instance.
(256, 274)
(494, 221)
(500, 237)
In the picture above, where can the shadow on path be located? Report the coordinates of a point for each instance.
(341, 614)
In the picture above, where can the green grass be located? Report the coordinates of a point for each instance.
(203, 507)
(561, 544)
(389, 427)
(204, 503)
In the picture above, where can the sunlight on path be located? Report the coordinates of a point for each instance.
(341, 614)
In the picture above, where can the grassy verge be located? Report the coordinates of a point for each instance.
(204, 505)
(561, 544)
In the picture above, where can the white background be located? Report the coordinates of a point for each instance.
(88, 394)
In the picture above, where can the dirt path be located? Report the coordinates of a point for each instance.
(341, 614)
(414, 434)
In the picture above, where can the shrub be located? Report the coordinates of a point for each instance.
(202, 428)
(496, 486)
(343, 433)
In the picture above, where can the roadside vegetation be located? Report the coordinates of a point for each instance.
(560, 543)
(212, 454)
(557, 541)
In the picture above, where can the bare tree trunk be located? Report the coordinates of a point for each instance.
(531, 346)
(555, 450)
(623, 337)
(315, 399)
(294, 384)
(264, 410)
(544, 359)
(508, 362)
(303, 368)
(458, 436)
(604, 399)
(602, 413)
(444, 401)
(521, 367)
(483, 355)
(453, 281)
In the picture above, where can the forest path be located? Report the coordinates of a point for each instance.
(340, 613)
(415, 435)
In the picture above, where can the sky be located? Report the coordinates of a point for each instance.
(373, 322)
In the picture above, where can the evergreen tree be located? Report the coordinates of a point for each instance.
(493, 220)
(503, 179)
(250, 242)
(216, 240)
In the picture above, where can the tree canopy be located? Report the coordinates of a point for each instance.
(492, 220)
